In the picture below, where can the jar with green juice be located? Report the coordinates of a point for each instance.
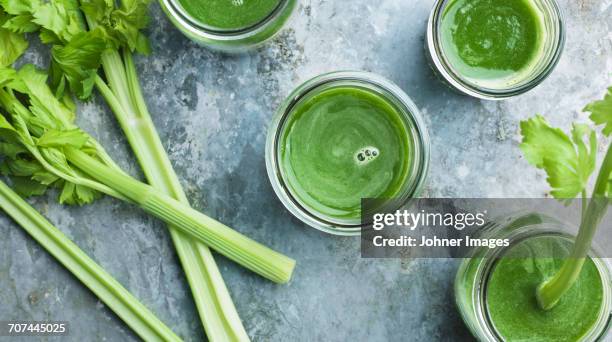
(495, 288)
(339, 138)
(229, 25)
(494, 49)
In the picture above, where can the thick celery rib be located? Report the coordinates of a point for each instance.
(550, 292)
(92, 275)
(215, 306)
(243, 250)
(212, 298)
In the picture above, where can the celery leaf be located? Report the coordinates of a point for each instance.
(43, 102)
(568, 162)
(77, 62)
(59, 20)
(12, 44)
(11, 150)
(53, 138)
(601, 112)
(27, 187)
(21, 23)
(17, 7)
(123, 25)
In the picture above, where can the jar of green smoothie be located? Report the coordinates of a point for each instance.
(495, 288)
(341, 137)
(494, 49)
(229, 25)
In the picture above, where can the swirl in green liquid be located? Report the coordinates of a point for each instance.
(229, 15)
(485, 40)
(340, 145)
(511, 298)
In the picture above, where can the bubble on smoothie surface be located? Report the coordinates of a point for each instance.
(366, 155)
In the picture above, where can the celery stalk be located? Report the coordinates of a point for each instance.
(550, 292)
(212, 298)
(226, 241)
(116, 297)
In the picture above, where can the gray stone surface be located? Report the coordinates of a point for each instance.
(212, 112)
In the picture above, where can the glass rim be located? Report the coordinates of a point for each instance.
(549, 228)
(461, 84)
(390, 91)
(195, 27)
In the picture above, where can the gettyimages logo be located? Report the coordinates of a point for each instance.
(453, 228)
(411, 220)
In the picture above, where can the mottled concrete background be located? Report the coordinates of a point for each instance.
(212, 113)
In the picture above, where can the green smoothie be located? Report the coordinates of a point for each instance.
(343, 144)
(511, 302)
(229, 15)
(492, 42)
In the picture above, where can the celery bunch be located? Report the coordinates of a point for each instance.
(43, 148)
(86, 35)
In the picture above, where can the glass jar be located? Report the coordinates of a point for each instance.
(475, 271)
(226, 40)
(418, 144)
(541, 66)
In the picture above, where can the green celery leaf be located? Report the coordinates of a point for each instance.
(12, 45)
(5, 125)
(86, 195)
(121, 25)
(17, 7)
(72, 194)
(27, 187)
(567, 162)
(8, 133)
(21, 23)
(59, 18)
(67, 101)
(43, 102)
(24, 168)
(48, 37)
(52, 17)
(129, 20)
(78, 62)
(67, 194)
(6, 75)
(142, 44)
(601, 112)
(4, 169)
(11, 150)
(41, 122)
(53, 138)
(21, 128)
(58, 80)
(98, 11)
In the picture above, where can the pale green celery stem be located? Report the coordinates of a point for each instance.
(550, 292)
(237, 247)
(116, 297)
(217, 310)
